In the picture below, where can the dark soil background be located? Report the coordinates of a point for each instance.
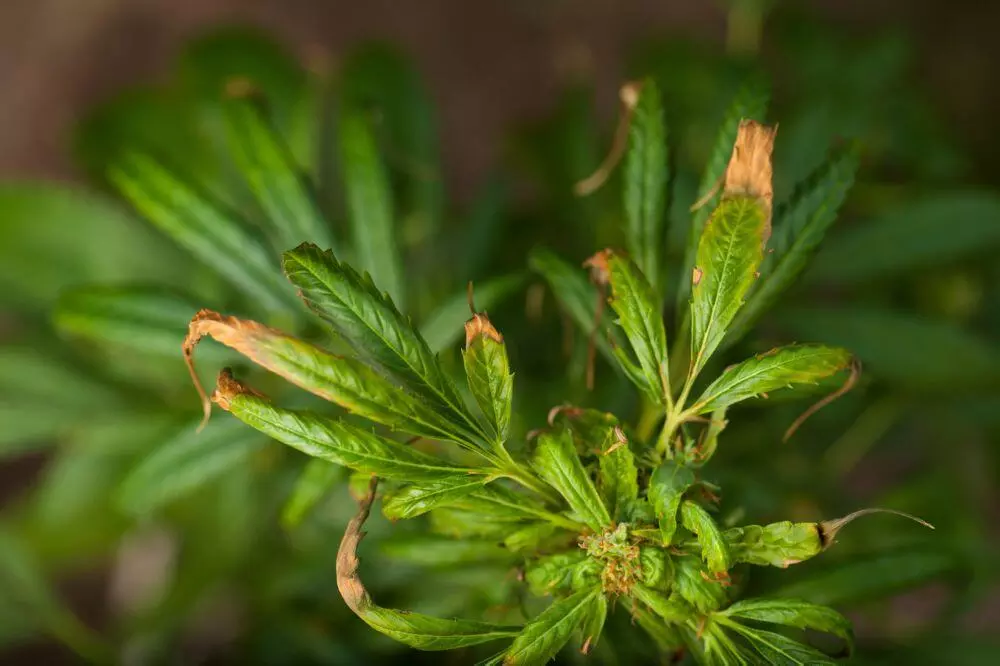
(489, 65)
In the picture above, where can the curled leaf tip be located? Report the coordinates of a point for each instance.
(348, 582)
(629, 95)
(828, 529)
(749, 171)
(849, 383)
(228, 387)
(470, 298)
(480, 326)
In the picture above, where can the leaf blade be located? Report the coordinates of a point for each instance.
(557, 463)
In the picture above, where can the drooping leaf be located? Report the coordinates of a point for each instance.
(280, 186)
(419, 631)
(801, 225)
(444, 325)
(894, 347)
(369, 204)
(666, 490)
(184, 462)
(420, 497)
(714, 550)
(315, 482)
(640, 315)
(488, 373)
(917, 234)
(370, 322)
(618, 477)
(556, 462)
(645, 182)
(333, 440)
(793, 613)
(150, 319)
(343, 380)
(208, 231)
(750, 102)
(771, 371)
(546, 634)
(729, 253)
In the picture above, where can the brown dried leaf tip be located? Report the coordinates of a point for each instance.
(228, 387)
(629, 95)
(480, 326)
(600, 272)
(348, 582)
(749, 172)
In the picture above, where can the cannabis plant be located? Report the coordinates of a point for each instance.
(595, 512)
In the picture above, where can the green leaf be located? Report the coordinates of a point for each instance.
(212, 234)
(565, 572)
(443, 327)
(793, 613)
(895, 347)
(418, 498)
(419, 631)
(666, 490)
(546, 634)
(780, 650)
(617, 478)
(777, 544)
(593, 623)
(656, 567)
(339, 442)
(315, 482)
(771, 371)
(750, 102)
(488, 372)
(695, 586)
(557, 464)
(576, 295)
(800, 225)
(729, 253)
(150, 319)
(370, 322)
(340, 379)
(645, 176)
(369, 204)
(279, 185)
(666, 637)
(442, 552)
(185, 462)
(714, 550)
(918, 233)
(673, 609)
(640, 316)
(872, 577)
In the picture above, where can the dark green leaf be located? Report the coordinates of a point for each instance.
(418, 498)
(780, 650)
(666, 490)
(546, 634)
(919, 233)
(729, 253)
(771, 371)
(593, 623)
(695, 585)
(210, 233)
(673, 609)
(657, 567)
(618, 477)
(793, 613)
(714, 550)
(315, 482)
(645, 177)
(488, 372)
(556, 462)
(444, 326)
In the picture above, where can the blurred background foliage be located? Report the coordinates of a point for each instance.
(194, 550)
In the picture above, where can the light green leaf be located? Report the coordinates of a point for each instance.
(370, 322)
(640, 315)
(577, 296)
(777, 544)
(443, 327)
(918, 233)
(750, 102)
(339, 442)
(265, 160)
(185, 462)
(656, 567)
(556, 462)
(569, 571)
(418, 498)
(894, 347)
(546, 634)
(777, 369)
(800, 225)
(419, 631)
(666, 490)
(150, 319)
(315, 482)
(714, 550)
(443, 552)
(645, 177)
(695, 586)
(369, 204)
(673, 609)
(618, 477)
(729, 253)
(793, 613)
(488, 372)
(213, 235)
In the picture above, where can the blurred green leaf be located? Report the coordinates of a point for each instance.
(442, 552)
(315, 482)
